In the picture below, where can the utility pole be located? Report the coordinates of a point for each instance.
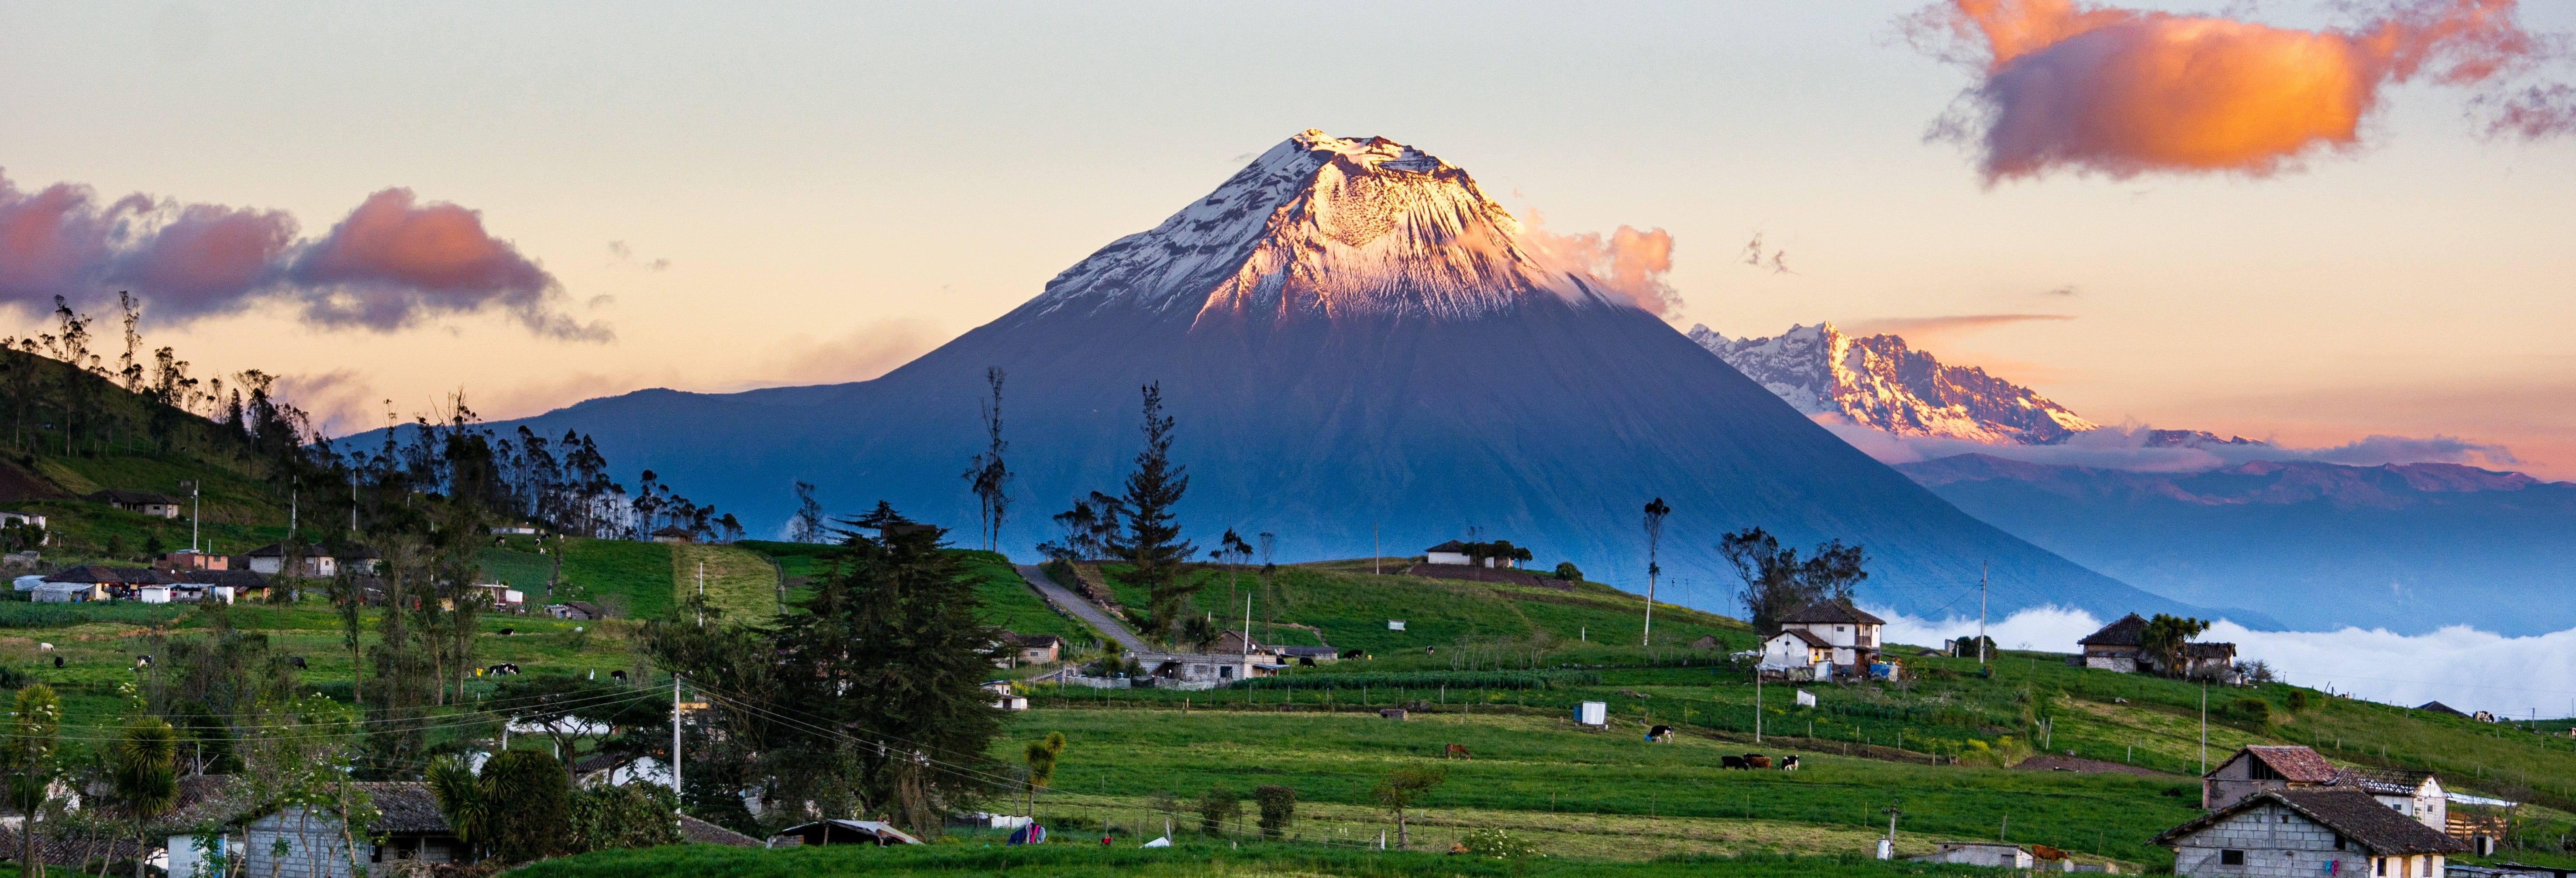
(1981, 613)
(1247, 628)
(1757, 702)
(294, 498)
(1376, 566)
(702, 594)
(675, 736)
(1655, 512)
(2204, 728)
(196, 515)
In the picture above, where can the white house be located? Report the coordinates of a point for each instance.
(1796, 654)
(1188, 670)
(1850, 633)
(140, 502)
(1451, 552)
(152, 594)
(2416, 794)
(2308, 832)
(1990, 854)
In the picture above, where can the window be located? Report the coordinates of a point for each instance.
(2428, 867)
(2231, 858)
(2383, 866)
(2258, 770)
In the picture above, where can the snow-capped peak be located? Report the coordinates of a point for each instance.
(1327, 226)
(1877, 381)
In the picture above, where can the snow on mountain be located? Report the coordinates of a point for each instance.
(1877, 381)
(1330, 227)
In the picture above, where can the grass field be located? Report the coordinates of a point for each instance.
(1196, 859)
(739, 581)
(631, 579)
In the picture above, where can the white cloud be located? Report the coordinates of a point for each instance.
(2459, 666)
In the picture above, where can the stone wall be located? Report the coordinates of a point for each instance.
(2276, 841)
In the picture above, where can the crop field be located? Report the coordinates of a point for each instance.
(1201, 859)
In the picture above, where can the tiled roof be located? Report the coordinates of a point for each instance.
(1811, 639)
(120, 495)
(2440, 708)
(1831, 612)
(101, 574)
(234, 578)
(2353, 814)
(2209, 650)
(2121, 633)
(2296, 763)
(696, 831)
(1452, 546)
(406, 807)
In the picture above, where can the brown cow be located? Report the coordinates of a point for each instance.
(1457, 751)
(1756, 760)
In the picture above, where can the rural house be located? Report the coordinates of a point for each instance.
(2307, 832)
(2258, 769)
(675, 535)
(1034, 649)
(579, 611)
(1852, 635)
(409, 827)
(2121, 646)
(2416, 794)
(1451, 552)
(139, 502)
(1190, 670)
(315, 563)
(1990, 854)
(1795, 654)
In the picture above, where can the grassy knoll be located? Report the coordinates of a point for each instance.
(1191, 859)
(739, 581)
(1351, 607)
(631, 579)
(522, 568)
(1008, 600)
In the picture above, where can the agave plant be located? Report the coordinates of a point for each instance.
(465, 800)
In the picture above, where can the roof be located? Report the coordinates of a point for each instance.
(120, 495)
(1033, 640)
(2126, 632)
(2208, 650)
(102, 574)
(272, 550)
(1830, 612)
(2295, 763)
(674, 531)
(2351, 813)
(696, 831)
(1803, 634)
(234, 578)
(585, 606)
(407, 807)
(870, 827)
(2384, 782)
(2439, 707)
(1452, 547)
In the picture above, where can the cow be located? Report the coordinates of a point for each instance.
(1789, 763)
(1456, 751)
(504, 668)
(297, 661)
(1733, 762)
(1660, 733)
(505, 632)
(44, 647)
(58, 661)
(144, 661)
(1757, 760)
(619, 676)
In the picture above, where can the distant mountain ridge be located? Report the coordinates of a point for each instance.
(1364, 353)
(2410, 547)
(1878, 381)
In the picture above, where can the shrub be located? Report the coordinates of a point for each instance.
(2255, 709)
(1278, 807)
(1498, 844)
(531, 805)
(1218, 806)
(1566, 570)
(2299, 701)
(634, 815)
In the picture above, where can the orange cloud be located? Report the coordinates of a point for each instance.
(1629, 263)
(2122, 92)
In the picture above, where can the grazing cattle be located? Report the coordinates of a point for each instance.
(502, 669)
(1789, 764)
(297, 661)
(1733, 762)
(619, 676)
(1756, 760)
(143, 661)
(1457, 751)
(505, 632)
(58, 661)
(44, 647)
(1660, 733)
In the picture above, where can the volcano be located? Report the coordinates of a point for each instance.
(1361, 350)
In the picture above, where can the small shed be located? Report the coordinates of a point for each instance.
(675, 535)
(1990, 854)
(826, 832)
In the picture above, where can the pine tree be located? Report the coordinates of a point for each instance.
(1153, 539)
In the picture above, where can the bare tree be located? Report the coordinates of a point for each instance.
(1655, 512)
(986, 472)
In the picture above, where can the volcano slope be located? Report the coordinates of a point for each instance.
(1358, 345)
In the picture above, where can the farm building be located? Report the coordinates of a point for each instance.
(675, 535)
(409, 827)
(1034, 649)
(1189, 670)
(1451, 552)
(1850, 634)
(823, 832)
(579, 611)
(1795, 654)
(2307, 832)
(1990, 854)
(2121, 646)
(138, 502)
(2254, 770)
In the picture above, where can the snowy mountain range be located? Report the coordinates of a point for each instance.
(1876, 381)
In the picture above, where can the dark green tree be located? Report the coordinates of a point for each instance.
(1777, 582)
(531, 810)
(1404, 788)
(1217, 807)
(1278, 809)
(2166, 638)
(1153, 539)
(890, 655)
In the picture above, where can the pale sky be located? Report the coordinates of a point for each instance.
(829, 189)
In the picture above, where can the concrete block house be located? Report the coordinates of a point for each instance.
(2308, 832)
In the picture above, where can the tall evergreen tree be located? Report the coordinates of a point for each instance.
(893, 652)
(1153, 539)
